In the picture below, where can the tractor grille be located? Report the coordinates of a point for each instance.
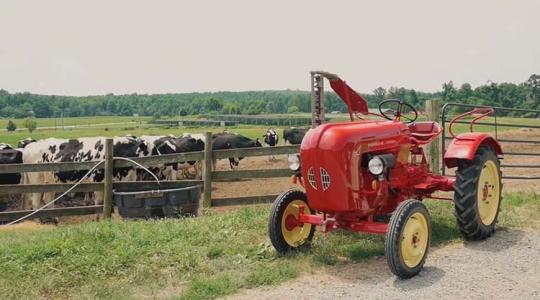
(325, 178)
(311, 178)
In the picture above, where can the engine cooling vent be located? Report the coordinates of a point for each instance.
(311, 178)
(325, 178)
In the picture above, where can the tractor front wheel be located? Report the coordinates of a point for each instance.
(286, 232)
(477, 194)
(407, 238)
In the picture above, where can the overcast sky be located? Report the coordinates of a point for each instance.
(96, 47)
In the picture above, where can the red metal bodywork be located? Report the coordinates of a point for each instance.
(351, 197)
(353, 193)
(465, 145)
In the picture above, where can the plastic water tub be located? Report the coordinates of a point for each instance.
(161, 203)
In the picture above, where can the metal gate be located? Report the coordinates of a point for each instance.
(497, 124)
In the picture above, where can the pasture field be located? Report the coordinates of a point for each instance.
(78, 121)
(118, 126)
(202, 258)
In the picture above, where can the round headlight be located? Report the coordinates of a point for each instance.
(294, 162)
(376, 166)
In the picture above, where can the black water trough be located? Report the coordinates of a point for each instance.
(160, 203)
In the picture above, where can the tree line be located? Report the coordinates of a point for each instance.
(24, 105)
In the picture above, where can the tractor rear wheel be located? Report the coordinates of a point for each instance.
(407, 239)
(286, 233)
(477, 194)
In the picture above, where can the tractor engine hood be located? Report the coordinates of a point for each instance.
(331, 159)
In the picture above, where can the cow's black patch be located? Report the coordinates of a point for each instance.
(233, 141)
(10, 156)
(99, 146)
(294, 135)
(70, 152)
(52, 149)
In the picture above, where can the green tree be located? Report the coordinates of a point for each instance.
(213, 104)
(230, 109)
(449, 92)
(379, 93)
(254, 107)
(465, 92)
(156, 116)
(11, 126)
(292, 110)
(30, 124)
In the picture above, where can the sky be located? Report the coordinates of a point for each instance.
(93, 47)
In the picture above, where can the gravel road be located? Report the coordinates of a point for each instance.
(507, 266)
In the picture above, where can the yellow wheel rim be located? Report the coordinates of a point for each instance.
(414, 240)
(488, 193)
(297, 235)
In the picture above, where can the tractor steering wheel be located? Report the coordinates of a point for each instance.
(399, 111)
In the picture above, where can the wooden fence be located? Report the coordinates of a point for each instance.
(107, 186)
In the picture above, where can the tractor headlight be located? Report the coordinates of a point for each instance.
(294, 162)
(376, 166)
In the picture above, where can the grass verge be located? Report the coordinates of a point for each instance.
(202, 258)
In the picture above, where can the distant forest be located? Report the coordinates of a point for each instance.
(24, 105)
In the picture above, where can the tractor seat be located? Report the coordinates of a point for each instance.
(424, 132)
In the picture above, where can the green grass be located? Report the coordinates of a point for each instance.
(80, 121)
(102, 126)
(202, 258)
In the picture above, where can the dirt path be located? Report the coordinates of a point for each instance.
(506, 266)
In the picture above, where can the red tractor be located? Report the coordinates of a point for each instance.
(371, 176)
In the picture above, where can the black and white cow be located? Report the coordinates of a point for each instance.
(224, 140)
(9, 155)
(77, 150)
(27, 141)
(271, 138)
(294, 135)
(159, 145)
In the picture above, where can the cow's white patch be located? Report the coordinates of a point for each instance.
(173, 147)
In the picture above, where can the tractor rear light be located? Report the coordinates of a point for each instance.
(325, 179)
(311, 178)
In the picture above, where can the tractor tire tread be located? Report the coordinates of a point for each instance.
(393, 237)
(465, 195)
(274, 221)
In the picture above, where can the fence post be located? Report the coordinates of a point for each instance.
(433, 110)
(207, 171)
(108, 180)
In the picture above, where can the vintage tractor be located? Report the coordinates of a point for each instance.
(371, 176)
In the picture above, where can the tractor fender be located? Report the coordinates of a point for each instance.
(465, 145)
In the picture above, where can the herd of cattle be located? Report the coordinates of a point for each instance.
(93, 149)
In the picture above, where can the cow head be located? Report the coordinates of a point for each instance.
(271, 137)
(130, 147)
(25, 142)
(4, 146)
(257, 143)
